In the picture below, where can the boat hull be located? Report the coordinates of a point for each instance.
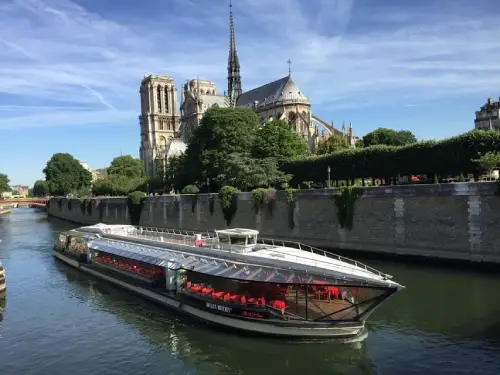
(251, 326)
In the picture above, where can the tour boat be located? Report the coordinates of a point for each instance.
(233, 278)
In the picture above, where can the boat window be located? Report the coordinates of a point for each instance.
(62, 239)
(252, 240)
(320, 302)
(77, 245)
(223, 239)
(238, 240)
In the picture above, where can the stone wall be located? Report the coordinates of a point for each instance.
(452, 221)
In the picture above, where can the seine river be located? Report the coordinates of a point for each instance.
(58, 321)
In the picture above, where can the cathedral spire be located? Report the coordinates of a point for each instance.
(233, 64)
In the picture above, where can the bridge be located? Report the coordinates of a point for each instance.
(31, 202)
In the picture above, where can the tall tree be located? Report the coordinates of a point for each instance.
(127, 166)
(64, 174)
(40, 188)
(222, 131)
(276, 139)
(389, 137)
(332, 144)
(245, 173)
(4, 183)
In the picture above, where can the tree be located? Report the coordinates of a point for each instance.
(489, 161)
(15, 192)
(126, 166)
(222, 131)
(4, 183)
(245, 173)
(389, 137)
(40, 188)
(64, 174)
(276, 139)
(332, 144)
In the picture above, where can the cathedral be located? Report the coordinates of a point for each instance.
(166, 128)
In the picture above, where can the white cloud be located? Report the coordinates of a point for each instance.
(79, 67)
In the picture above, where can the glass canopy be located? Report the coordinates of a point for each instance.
(213, 266)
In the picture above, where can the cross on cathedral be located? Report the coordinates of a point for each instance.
(289, 67)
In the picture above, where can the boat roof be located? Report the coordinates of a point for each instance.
(216, 266)
(238, 232)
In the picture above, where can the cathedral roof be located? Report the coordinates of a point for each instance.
(214, 100)
(176, 147)
(273, 92)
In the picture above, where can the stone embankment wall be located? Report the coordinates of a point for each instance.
(452, 221)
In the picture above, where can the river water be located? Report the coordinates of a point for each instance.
(59, 321)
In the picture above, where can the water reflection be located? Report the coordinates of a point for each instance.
(61, 321)
(194, 342)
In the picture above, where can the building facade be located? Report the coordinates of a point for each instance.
(488, 116)
(281, 99)
(159, 120)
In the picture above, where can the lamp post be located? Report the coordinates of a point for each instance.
(328, 170)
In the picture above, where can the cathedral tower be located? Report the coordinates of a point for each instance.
(159, 120)
(233, 64)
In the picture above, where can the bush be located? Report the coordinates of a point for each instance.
(135, 202)
(228, 196)
(190, 189)
(448, 157)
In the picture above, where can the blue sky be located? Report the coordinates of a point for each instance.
(70, 71)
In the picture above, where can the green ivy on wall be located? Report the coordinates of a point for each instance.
(290, 200)
(135, 203)
(83, 206)
(211, 203)
(263, 196)
(344, 199)
(228, 196)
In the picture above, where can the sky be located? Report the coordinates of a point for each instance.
(70, 70)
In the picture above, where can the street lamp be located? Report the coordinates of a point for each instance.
(328, 171)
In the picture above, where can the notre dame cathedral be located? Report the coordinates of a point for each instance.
(166, 128)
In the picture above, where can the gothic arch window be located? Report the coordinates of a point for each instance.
(158, 98)
(166, 99)
(163, 142)
(291, 118)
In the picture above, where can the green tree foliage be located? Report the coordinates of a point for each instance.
(127, 166)
(41, 188)
(175, 176)
(15, 192)
(332, 144)
(64, 175)
(489, 161)
(389, 137)
(448, 157)
(276, 139)
(245, 173)
(222, 131)
(124, 175)
(4, 183)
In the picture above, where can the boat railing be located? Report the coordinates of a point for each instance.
(177, 236)
(300, 246)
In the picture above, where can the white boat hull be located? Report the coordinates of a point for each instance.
(249, 326)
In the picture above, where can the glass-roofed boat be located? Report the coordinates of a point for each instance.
(233, 278)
